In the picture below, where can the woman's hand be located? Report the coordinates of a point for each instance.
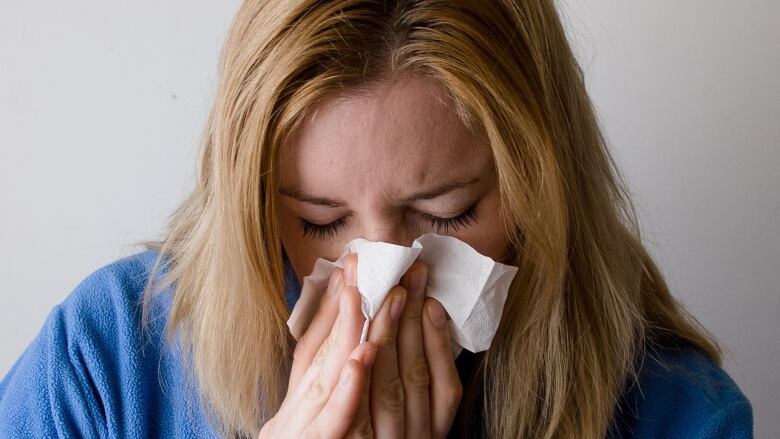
(415, 389)
(330, 369)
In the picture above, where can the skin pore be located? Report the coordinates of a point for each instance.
(386, 165)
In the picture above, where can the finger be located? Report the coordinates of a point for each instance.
(319, 329)
(318, 380)
(342, 338)
(361, 426)
(446, 389)
(338, 413)
(387, 394)
(346, 336)
(350, 269)
(411, 355)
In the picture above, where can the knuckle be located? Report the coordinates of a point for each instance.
(386, 341)
(392, 395)
(315, 393)
(361, 429)
(417, 375)
(412, 314)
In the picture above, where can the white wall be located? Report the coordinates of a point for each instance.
(101, 105)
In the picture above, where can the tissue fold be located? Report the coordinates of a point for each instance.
(471, 287)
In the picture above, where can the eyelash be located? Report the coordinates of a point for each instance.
(323, 231)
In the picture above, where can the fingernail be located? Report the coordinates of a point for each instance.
(335, 282)
(418, 280)
(436, 316)
(397, 306)
(349, 274)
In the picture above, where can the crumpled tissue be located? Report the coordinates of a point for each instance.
(471, 287)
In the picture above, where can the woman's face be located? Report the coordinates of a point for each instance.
(389, 166)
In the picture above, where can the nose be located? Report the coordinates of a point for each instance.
(393, 234)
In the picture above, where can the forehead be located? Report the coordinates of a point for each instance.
(396, 135)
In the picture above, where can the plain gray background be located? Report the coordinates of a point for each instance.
(102, 103)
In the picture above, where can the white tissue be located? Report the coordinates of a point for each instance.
(471, 287)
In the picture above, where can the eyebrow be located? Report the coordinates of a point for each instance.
(298, 194)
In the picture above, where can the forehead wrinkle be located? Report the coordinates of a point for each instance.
(385, 148)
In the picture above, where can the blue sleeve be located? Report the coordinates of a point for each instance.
(93, 372)
(681, 393)
(47, 393)
(734, 421)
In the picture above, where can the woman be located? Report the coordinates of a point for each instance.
(384, 120)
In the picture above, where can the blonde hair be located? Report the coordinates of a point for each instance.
(587, 299)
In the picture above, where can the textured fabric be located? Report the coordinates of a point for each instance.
(91, 373)
(681, 393)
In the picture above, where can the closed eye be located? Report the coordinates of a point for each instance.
(439, 224)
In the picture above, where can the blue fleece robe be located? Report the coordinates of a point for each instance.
(91, 373)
